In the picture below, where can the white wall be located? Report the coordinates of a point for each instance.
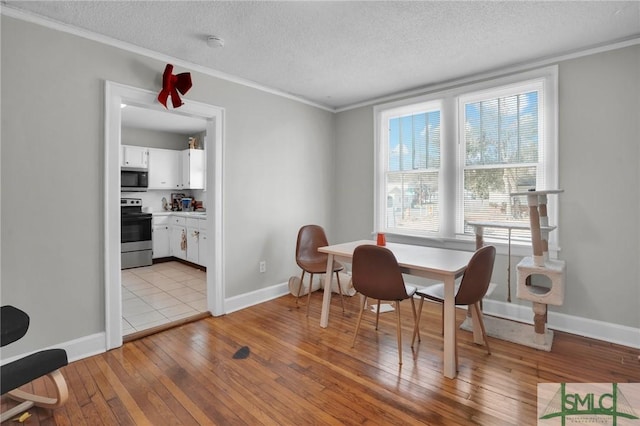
(277, 153)
(599, 136)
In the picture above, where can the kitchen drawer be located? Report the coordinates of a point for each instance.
(193, 223)
(161, 219)
(177, 220)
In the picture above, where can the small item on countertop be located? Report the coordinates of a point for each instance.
(382, 240)
(165, 204)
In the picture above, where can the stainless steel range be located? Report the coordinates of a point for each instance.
(135, 234)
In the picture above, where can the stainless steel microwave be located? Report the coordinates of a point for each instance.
(133, 180)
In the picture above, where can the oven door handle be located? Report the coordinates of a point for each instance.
(129, 219)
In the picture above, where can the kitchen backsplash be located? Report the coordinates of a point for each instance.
(153, 199)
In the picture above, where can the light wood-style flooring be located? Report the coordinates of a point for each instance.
(298, 373)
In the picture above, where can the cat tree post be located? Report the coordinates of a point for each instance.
(540, 264)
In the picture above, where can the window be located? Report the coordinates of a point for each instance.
(456, 155)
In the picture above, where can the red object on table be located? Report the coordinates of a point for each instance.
(382, 240)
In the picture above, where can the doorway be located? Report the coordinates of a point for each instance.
(115, 96)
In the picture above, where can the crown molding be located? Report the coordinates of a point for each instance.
(521, 67)
(56, 25)
(59, 26)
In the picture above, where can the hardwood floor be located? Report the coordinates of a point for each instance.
(297, 373)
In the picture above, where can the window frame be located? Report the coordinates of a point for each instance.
(450, 185)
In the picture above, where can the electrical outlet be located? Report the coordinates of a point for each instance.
(263, 266)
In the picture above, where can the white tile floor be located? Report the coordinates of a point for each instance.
(161, 293)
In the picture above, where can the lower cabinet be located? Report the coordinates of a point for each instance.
(202, 246)
(181, 237)
(161, 240)
(178, 238)
(161, 237)
(193, 241)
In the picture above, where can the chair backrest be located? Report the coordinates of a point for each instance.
(477, 276)
(376, 273)
(14, 324)
(310, 237)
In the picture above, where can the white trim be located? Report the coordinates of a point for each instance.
(12, 12)
(8, 10)
(116, 94)
(527, 66)
(252, 298)
(77, 349)
(607, 332)
(451, 146)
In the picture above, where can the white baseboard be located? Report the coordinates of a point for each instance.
(77, 349)
(608, 332)
(246, 300)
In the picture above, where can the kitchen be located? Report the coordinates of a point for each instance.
(163, 219)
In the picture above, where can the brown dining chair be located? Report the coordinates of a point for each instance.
(376, 275)
(473, 287)
(309, 259)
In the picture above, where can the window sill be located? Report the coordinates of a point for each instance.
(518, 249)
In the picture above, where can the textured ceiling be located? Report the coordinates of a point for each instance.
(338, 54)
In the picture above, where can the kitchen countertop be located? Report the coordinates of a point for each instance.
(196, 215)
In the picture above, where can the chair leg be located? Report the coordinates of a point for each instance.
(478, 313)
(415, 317)
(300, 287)
(416, 326)
(340, 290)
(29, 400)
(399, 331)
(364, 302)
(377, 314)
(309, 293)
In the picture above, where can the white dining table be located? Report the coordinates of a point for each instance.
(429, 262)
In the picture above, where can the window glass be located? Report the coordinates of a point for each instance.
(501, 143)
(413, 162)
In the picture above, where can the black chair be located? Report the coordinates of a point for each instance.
(14, 324)
(376, 274)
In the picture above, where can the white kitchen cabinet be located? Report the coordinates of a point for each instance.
(193, 240)
(136, 157)
(164, 168)
(193, 169)
(202, 246)
(178, 237)
(161, 237)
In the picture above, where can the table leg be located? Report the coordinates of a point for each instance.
(477, 334)
(450, 353)
(326, 299)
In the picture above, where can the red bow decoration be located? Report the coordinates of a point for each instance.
(172, 84)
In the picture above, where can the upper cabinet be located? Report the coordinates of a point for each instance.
(193, 169)
(164, 169)
(173, 169)
(135, 157)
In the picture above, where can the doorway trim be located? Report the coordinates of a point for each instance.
(115, 95)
